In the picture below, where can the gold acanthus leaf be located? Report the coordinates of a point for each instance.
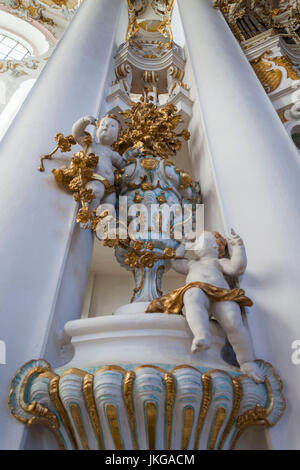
(152, 129)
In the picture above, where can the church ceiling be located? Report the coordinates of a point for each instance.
(33, 6)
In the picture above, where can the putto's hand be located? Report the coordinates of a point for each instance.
(235, 239)
(90, 119)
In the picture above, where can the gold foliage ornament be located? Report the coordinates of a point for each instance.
(64, 144)
(75, 177)
(151, 129)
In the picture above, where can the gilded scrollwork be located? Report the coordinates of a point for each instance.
(268, 72)
(163, 10)
(269, 76)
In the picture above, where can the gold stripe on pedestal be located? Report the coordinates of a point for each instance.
(54, 395)
(128, 399)
(112, 417)
(237, 395)
(76, 416)
(88, 392)
(206, 398)
(188, 420)
(219, 420)
(151, 416)
(170, 389)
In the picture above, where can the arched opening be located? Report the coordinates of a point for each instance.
(296, 136)
(2, 352)
(11, 49)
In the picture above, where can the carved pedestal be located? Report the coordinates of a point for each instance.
(162, 404)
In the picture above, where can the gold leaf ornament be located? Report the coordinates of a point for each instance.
(151, 129)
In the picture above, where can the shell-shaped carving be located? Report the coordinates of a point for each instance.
(147, 407)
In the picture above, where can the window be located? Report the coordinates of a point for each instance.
(11, 49)
(296, 137)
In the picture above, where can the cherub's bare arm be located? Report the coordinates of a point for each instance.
(78, 129)
(117, 160)
(180, 265)
(236, 265)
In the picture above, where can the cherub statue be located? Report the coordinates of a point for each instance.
(207, 293)
(108, 128)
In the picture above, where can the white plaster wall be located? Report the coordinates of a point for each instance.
(112, 291)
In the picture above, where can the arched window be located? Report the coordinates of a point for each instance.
(12, 49)
(296, 136)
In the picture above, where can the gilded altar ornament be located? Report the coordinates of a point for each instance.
(151, 129)
(146, 407)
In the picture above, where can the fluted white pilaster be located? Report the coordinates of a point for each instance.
(39, 250)
(257, 170)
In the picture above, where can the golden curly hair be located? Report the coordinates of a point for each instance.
(222, 244)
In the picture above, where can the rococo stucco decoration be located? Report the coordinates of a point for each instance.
(179, 401)
(269, 33)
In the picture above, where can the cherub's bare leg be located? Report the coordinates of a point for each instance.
(99, 190)
(196, 311)
(110, 199)
(228, 314)
(107, 211)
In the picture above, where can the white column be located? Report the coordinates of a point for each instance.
(37, 219)
(257, 170)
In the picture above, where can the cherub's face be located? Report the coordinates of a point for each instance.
(206, 245)
(108, 131)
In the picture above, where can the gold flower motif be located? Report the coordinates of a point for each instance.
(169, 253)
(88, 139)
(111, 242)
(92, 161)
(148, 260)
(149, 246)
(65, 143)
(86, 195)
(75, 184)
(132, 260)
(83, 215)
(161, 199)
(137, 246)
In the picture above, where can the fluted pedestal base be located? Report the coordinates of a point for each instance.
(134, 384)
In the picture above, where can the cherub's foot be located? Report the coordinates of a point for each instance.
(200, 344)
(253, 371)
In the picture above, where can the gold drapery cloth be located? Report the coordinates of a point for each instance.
(172, 302)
